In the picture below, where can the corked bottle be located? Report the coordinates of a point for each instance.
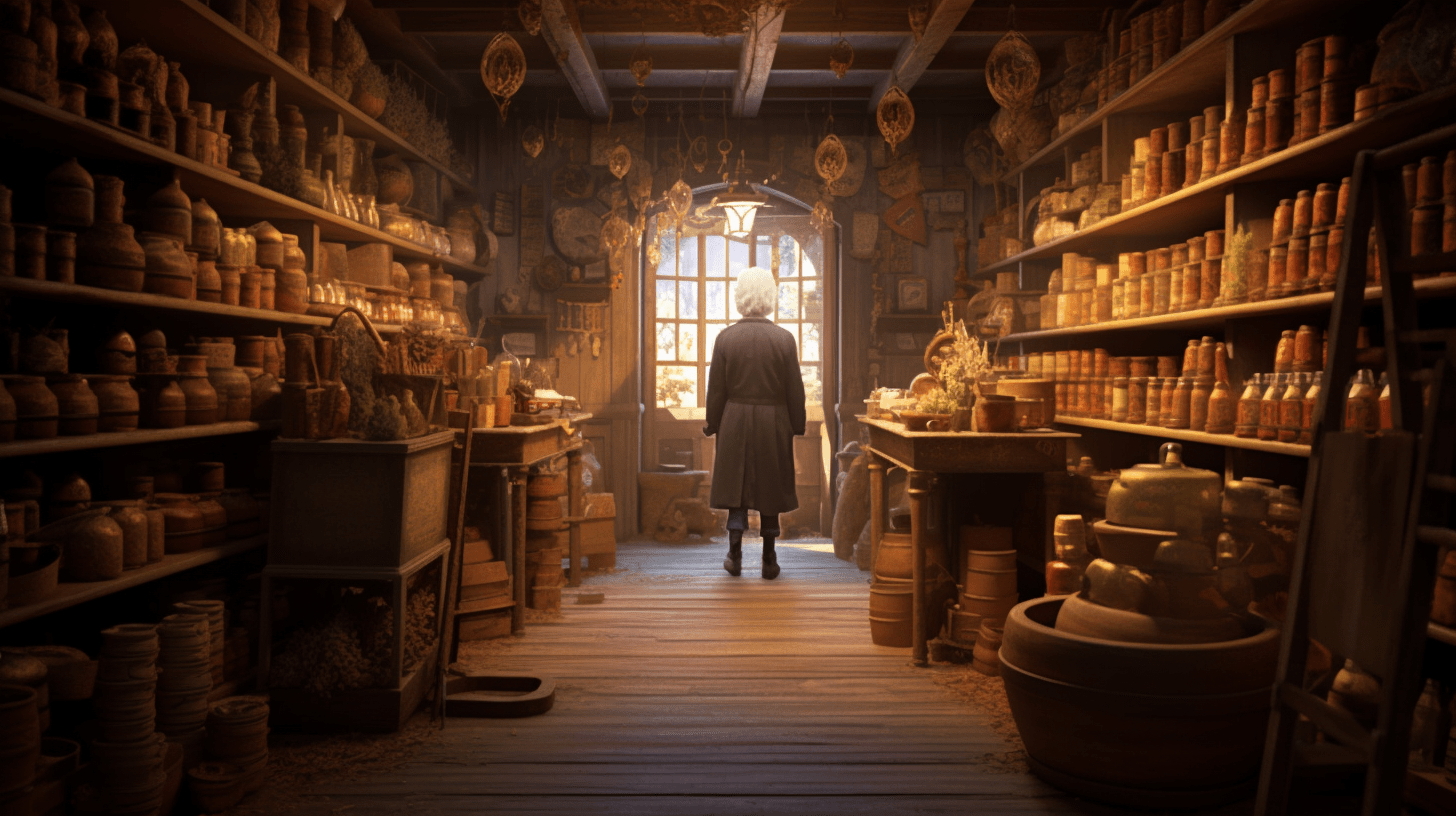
(1246, 424)
(1269, 407)
(1310, 404)
(1361, 410)
(1291, 409)
(1221, 404)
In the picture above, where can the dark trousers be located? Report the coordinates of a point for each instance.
(768, 523)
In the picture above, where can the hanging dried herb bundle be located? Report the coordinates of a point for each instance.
(406, 114)
(358, 363)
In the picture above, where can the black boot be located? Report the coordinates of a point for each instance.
(770, 559)
(734, 562)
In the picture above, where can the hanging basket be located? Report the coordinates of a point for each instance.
(619, 161)
(503, 69)
(533, 141)
(841, 58)
(640, 65)
(830, 159)
(1013, 71)
(895, 116)
(530, 13)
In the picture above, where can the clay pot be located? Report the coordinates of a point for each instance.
(396, 182)
(70, 196)
(1156, 725)
(77, 404)
(995, 414)
(30, 251)
(132, 520)
(234, 393)
(270, 245)
(419, 276)
(163, 403)
(185, 523)
(20, 725)
(169, 212)
(267, 397)
(93, 550)
(200, 397)
(169, 272)
(37, 411)
(442, 287)
(108, 255)
(206, 238)
(242, 512)
(267, 288)
(291, 291)
(118, 403)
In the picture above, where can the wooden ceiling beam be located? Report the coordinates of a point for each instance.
(916, 54)
(561, 28)
(755, 61)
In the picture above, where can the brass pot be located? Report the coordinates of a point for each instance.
(1168, 495)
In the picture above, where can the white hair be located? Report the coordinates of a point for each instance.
(756, 293)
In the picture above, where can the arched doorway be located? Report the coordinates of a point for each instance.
(688, 300)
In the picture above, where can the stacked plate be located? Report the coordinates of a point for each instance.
(128, 754)
(186, 676)
(216, 621)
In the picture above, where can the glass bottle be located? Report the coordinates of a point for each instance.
(1269, 407)
(1361, 412)
(1246, 424)
(1291, 409)
(1306, 414)
(1386, 421)
(1221, 409)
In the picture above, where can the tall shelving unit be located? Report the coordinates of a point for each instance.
(1215, 69)
(219, 61)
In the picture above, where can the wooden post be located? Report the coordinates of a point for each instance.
(576, 500)
(921, 484)
(877, 506)
(516, 490)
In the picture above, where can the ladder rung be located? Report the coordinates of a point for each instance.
(1436, 536)
(1444, 484)
(1336, 723)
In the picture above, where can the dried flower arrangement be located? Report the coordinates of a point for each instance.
(938, 401)
(406, 113)
(963, 362)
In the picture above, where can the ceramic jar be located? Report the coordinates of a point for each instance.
(209, 284)
(230, 281)
(396, 184)
(234, 393)
(163, 403)
(107, 254)
(37, 412)
(169, 212)
(206, 231)
(442, 287)
(290, 292)
(78, 408)
(168, 270)
(132, 520)
(269, 245)
(70, 197)
(200, 399)
(118, 403)
(214, 519)
(93, 550)
(267, 288)
(185, 526)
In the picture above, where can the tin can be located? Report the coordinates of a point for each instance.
(1192, 162)
(1296, 265)
(1210, 281)
(1137, 400)
(1303, 213)
(1283, 220)
(1253, 135)
(1309, 65)
(1337, 103)
(1278, 268)
(1208, 162)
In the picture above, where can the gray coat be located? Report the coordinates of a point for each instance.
(756, 407)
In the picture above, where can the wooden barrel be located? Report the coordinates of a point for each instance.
(894, 558)
(890, 608)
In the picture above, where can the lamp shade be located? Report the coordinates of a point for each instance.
(739, 211)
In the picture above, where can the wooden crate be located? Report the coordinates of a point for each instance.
(341, 502)
(484, 625)
(377, 710)
(598, 536)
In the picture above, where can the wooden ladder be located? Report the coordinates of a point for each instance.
(1376, 512)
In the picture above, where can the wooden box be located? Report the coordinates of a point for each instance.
(598, 535)
(376, 710)
(342, 502)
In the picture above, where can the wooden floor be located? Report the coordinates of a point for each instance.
(687, 692)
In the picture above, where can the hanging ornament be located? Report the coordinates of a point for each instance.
(698, 154)
(841, 58)
(503, 69)
(619, 161)
(616, 232)
(895, 116)
(530, 14)
(640, 65)
(654, 255)
(823, 215)
(533, 141)
(830, 159)
(919, 12)
(639, 104)
(679, 200)
(1013, 71)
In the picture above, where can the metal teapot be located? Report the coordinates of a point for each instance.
(1168, 495)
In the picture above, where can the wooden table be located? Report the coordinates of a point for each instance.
(930, 456)
(509, 452)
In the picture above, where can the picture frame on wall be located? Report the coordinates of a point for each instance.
(912, 294)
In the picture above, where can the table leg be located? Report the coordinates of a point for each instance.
(517, 491)
(922, 483)
(576, 500)
(877, 505)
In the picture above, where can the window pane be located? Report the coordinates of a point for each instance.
(715, 251)
(807, 268)
(809, 347)
(687, 300)
(788, 255)
(666, 341)
(763, 251)
(667, 298)
(813, 385)
(733, 301)
(788, 301)
(677, 386)
(737, 257)
(715, 300)
(813, 301)
(667, 242)
(688, 264)
(687, 341)
(714, 329)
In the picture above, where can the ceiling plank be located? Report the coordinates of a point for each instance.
(760, 41)
(561, 28)
(916, 55)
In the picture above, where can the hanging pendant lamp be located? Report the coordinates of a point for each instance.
(503, 69)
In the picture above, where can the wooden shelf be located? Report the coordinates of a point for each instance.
(147, 436)
(1195, 72)
(927, 322)
(70, 594)
(238, 201)
(1224, 440)
(1210, 318)
(1199, 207)
(190, 32)
(518, 319)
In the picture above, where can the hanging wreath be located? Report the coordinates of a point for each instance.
(533, 141)
(831, 159)
(619, 161)
(503, 69)
(895, 116)
(1013, 71)
(841, 58)
(530, 13)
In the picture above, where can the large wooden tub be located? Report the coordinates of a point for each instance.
(1148, 725)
